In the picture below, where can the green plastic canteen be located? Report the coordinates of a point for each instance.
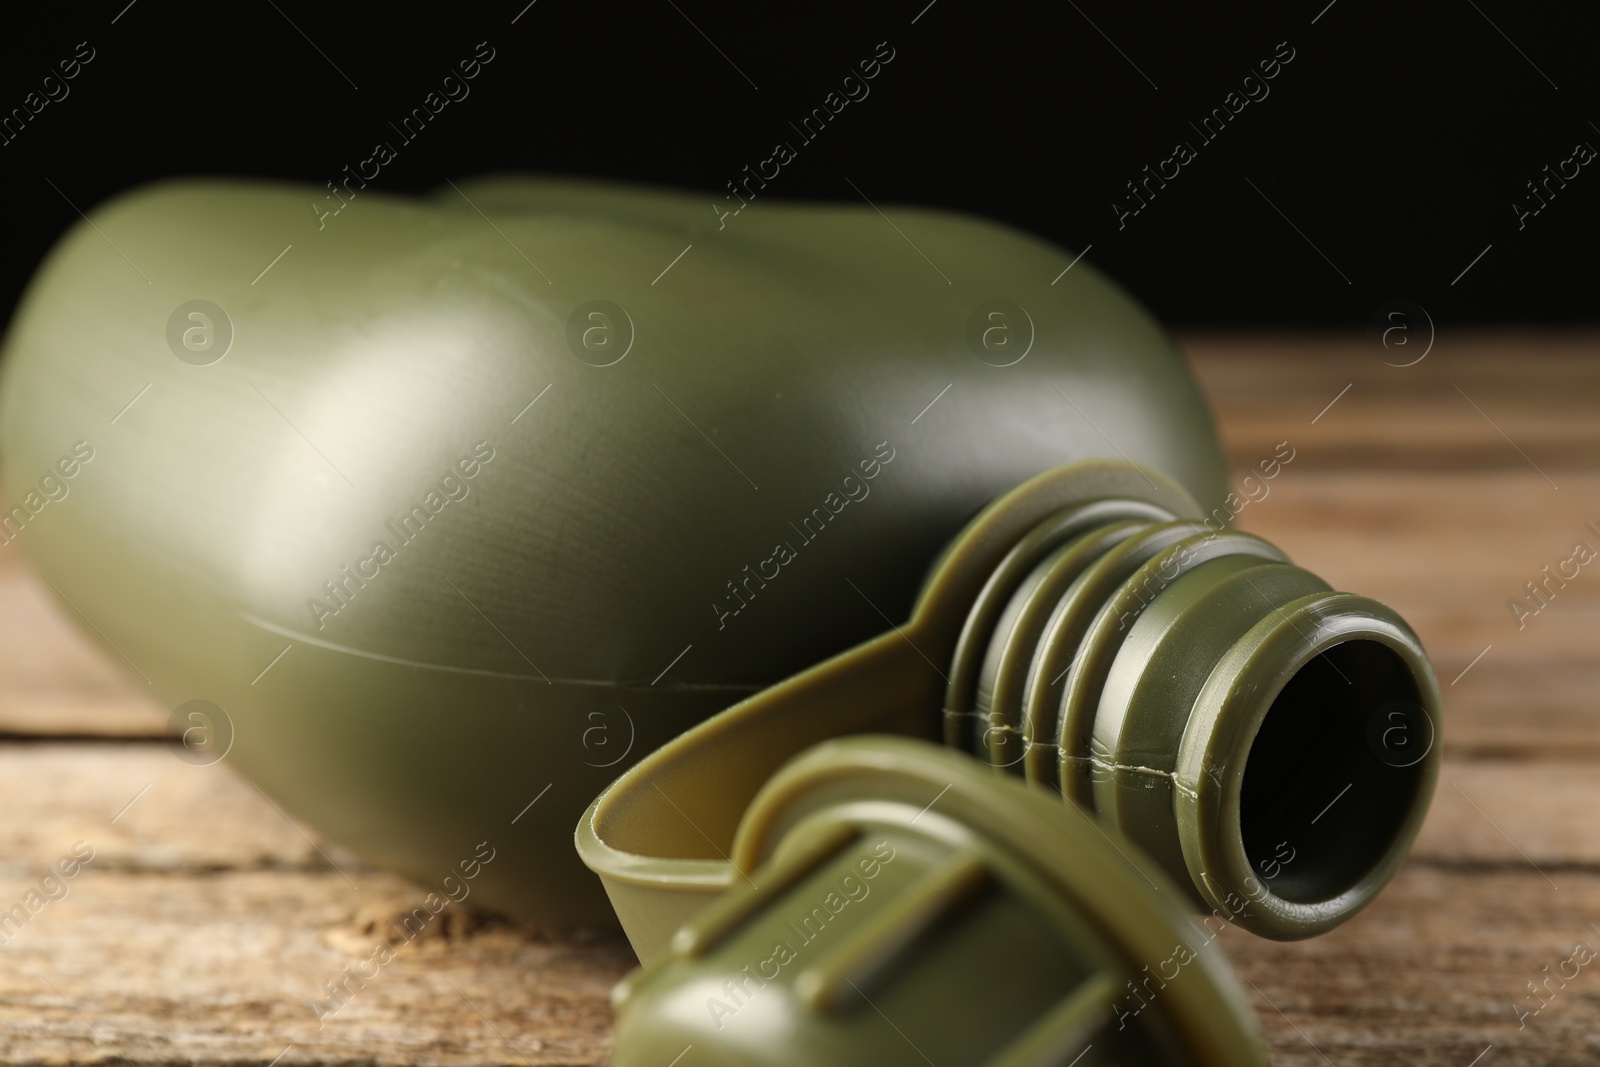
(1266, 740)
(893, 904)
(450, 509)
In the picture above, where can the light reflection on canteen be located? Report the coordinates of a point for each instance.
(600, 332)
(347, 583)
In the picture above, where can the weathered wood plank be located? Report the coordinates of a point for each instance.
(226, 966)
(1539, 388)
(157, 968)
(173, 968)
(170, 817)
(1430, 974)
(206, 923)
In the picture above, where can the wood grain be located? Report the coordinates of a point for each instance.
(207, 922)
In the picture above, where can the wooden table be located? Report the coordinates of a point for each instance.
(206, 919)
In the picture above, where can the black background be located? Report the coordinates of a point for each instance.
(1396, 141)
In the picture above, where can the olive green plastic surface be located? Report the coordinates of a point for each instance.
(1270, 742)
(571, 605)
(892, 905)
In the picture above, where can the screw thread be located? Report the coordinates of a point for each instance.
(1269, 741)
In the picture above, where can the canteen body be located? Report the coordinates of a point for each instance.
(460, 506)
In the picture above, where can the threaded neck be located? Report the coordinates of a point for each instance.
(1268, 740)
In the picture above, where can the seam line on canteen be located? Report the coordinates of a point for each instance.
(296, 635)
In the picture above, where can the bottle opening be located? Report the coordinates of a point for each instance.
(1334, 772)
